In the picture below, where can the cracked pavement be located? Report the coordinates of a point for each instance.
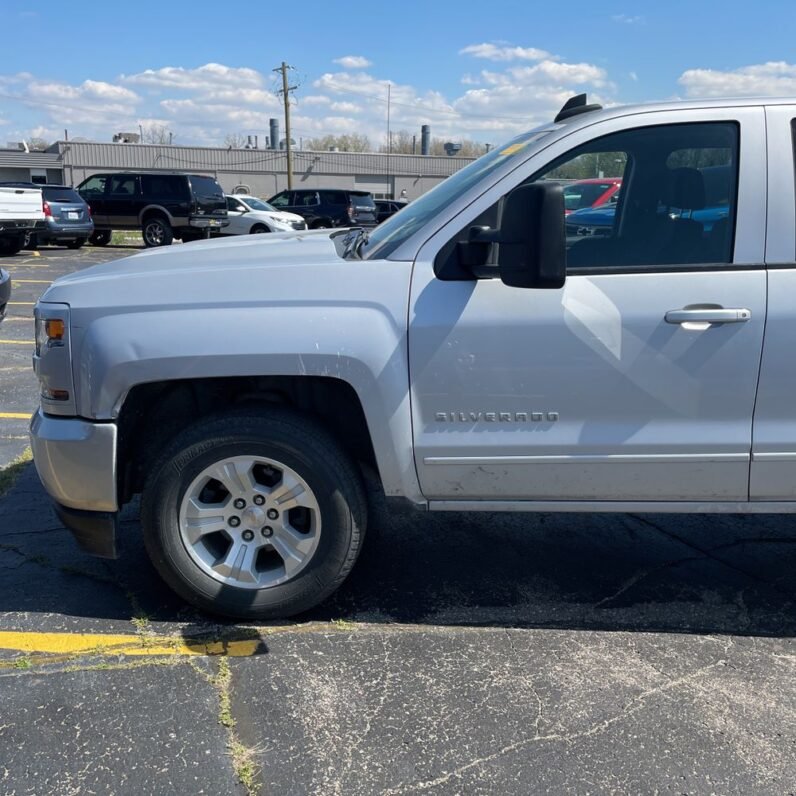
(467, 654)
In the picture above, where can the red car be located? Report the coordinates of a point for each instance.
(591, 193)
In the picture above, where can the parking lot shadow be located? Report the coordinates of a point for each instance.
(722, 574)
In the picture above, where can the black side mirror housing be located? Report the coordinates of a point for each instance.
(532, 249)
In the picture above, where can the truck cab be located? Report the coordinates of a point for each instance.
(467, 351)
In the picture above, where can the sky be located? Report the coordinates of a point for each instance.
(482, 71)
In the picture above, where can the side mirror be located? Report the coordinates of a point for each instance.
(532, 250)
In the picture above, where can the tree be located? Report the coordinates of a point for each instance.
(235, 140)
(352, 142)
(156, 134)
(37, 144)
(406, 143)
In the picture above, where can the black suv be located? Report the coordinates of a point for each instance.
(326, 207)
(162, 206)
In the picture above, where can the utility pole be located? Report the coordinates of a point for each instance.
(389, 134)
(285, 92)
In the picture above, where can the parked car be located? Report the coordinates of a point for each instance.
(593, 192)
(67, 217)
(21, 212)
(387, 207)
(250, 215)
(461, 352)
(163, 206)
(324, 208)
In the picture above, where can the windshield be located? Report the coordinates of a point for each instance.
(257, 204)
(390, 234)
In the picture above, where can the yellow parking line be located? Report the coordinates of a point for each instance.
(16, 415)
(15, 318)
(100, 643)
(16, 342)
(31, 281)
(25, 265)
(21, 303)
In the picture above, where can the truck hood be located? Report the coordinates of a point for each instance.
(243, 270)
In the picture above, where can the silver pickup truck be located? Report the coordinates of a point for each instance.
(476, 352)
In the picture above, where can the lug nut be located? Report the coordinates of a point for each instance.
(247, 536)
(234, 522)
(267, 531)
(259, 500)
(272, 514)
(239, 503)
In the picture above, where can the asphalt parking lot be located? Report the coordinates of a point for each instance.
(467, 654)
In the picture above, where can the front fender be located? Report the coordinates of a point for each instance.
(363, 344)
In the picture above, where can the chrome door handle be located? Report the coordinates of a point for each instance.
(708, 316)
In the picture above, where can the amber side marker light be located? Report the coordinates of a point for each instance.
(54, 328)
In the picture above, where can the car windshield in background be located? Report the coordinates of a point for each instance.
(362, 200)
(206, 186)
(398, 228)
(254, 203)
(54, 193)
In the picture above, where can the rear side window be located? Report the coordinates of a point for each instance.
(94, 186)
(164, 186)
(334, 197)
(280, 200)
(58, 194)
(307, 199)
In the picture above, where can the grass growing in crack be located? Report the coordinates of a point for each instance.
(22, 663)
(344, 624)
(222, 682)
(243, 761)
(10, 473)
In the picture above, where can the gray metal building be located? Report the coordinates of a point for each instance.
(261, 172)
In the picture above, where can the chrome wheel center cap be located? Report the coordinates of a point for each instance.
(253, 517)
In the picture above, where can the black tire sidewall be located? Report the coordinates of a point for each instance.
(340, 536)
(168, 233)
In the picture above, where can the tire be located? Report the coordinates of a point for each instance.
(157, 232)
(31, 242)
(258, 229)
(100, 237)
(75, 244)
(288, 449)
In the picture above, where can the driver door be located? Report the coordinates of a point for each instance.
(623, 385)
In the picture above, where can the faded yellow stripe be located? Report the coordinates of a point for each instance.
(16, 415)
(16, 342)
(100, 643)
(31, 281)
(21, 303)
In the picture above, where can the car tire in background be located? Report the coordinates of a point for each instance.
(100, 237)
(258, 229)
(31, 242)
(256, 514)
(321, 225)
(75, 244)
(157, 231)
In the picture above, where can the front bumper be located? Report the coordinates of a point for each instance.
(76, 461)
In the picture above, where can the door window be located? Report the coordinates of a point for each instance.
(123, 185)
(94, 187)
(234, 205)
(308, 199)
(281, 199)
(677, 202)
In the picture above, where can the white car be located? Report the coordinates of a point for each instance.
(250, 215)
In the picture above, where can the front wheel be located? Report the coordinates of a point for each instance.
(254, 516)
(258, 229)
(157, 231)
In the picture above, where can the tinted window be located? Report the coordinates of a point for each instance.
(281, 199)
(206, 187)
(234, 204)
(94, 186)
(334, 197)
(362, 200)
(57, 194)
(677, 205)
(307, 199)
(164, 186)
(583, 194)
(123, 185)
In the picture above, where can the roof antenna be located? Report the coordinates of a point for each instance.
(574, 106)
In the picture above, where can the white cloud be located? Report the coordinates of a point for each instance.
(345, 107)
(315, 99)
(202, 77)
(500, 52)
(775, 78)
(627, 19)
(353, 62)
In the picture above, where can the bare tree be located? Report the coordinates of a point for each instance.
(156, 134)
(235, 140)
(37, 144)
(405, 143)
(352, 142)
